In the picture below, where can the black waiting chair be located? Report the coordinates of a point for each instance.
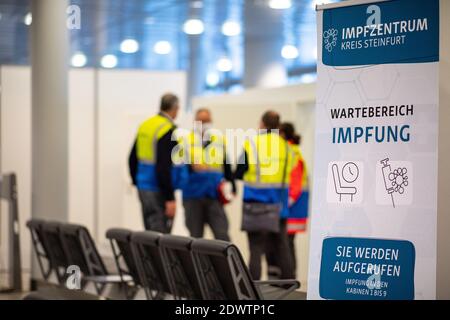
(40, 247)
(120, 240)
(52, 241)
(224, 275)
(82, 251)
(150, 264)
(52, 293)
(180, 267)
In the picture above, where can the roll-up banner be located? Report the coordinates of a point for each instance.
(373, 233)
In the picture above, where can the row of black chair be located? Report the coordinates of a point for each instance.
(60, 245)
(188, 268)
(164, 266)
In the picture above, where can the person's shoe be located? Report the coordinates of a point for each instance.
(273, 272)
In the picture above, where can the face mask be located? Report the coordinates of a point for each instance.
(206, 127)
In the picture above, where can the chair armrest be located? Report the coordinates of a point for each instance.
(115, 278)
(294, 284)
(56, 293)
(278, 282)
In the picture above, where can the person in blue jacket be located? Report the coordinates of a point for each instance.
(152, 168)
(208, 170)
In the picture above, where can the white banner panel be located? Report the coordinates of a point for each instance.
(373, 233)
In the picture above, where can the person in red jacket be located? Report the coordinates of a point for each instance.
(298, 198)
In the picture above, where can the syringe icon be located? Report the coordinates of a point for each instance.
(386, 169)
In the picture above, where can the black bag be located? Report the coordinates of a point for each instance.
(260, 217)
(257, 217)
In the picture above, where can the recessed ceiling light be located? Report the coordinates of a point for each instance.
(28, 19)
(224, 65)
(193, 27)
(289, 52)
(231, 28)
(212, 79)
(197, 4)
(79, 60)
(315, 3)
(129, 46)
(162, 47)
(150, 20)
(308, 78)
(280, 4)
(109, 61)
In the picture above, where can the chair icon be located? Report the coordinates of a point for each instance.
(338, 186)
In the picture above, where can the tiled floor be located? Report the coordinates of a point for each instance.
(5, 281)
(13, 296)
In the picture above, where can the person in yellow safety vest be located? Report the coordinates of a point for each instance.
(265, 168)
(152, 168)
(208, 169)
(298, 199)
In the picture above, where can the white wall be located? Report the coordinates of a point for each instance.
(107, 118)
(81, 147)
(126, 98)
(15, 152)
(244, 111)
(443, 252)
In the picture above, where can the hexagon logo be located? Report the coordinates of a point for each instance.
(330, 39)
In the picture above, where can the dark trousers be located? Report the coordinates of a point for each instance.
(258, 242)
(291, 238)
(274, 268)
(154, 212)
(199, 212)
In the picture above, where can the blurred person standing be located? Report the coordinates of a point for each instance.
(265, 167)
(152, 169)
(203, 194)
(298, 200)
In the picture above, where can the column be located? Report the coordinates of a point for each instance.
(197, 69)
(49, 58)
(264, 66)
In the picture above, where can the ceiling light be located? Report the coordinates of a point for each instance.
(109, 61)
(289, 52)
(78, 60)
(280, 4)
(149, 20)
(28, 19)
(314, 53)
(162, 47)
(197, 4)
(129, 46)
(231, 28)
(212, 79)
(308, 78)
(224, 65)
(315, 3)
(193, 27)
